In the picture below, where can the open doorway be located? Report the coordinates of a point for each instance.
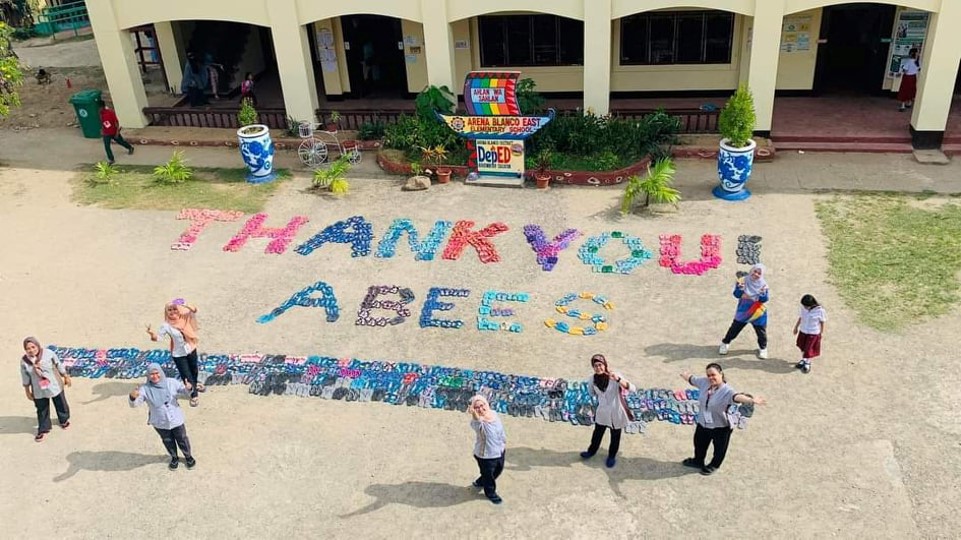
(375, 56)
(853, 59)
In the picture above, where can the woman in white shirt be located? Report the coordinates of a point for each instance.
(180, 325)
(909, 80)
(611, 411)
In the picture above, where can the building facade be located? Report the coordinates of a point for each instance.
(326, 50)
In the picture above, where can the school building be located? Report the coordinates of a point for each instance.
(322, 53)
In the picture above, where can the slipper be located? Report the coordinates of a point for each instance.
(65, 425)
(39, 437)
(201, 387)
(194, 402)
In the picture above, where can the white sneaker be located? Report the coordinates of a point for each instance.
(722, 350)
(762, 354)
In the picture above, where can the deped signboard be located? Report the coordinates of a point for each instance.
(494, 125)
(500, 157)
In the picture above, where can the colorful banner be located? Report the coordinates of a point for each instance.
(488, 93)
(503, 127)
(500, 157)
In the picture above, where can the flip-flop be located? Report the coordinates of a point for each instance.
(194, 402)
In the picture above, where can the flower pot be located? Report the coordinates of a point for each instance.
(331, 128)
(542, 179)
(443, 175)
(734, 167)
(257, 151)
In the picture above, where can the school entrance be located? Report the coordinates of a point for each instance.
(374, 47)
(853, 51)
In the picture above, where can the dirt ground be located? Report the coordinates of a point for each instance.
(867, 445)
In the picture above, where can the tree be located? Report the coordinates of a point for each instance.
(11, 72)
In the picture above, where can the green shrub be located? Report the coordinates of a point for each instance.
(174, 171)
(370, 131)
(605, 161)
(339, 186)
(737, 120)
(103, 174)
(656, 187)
(434, 98)
(338, 169)
(293, 126)
(247, 114)
(529, 100)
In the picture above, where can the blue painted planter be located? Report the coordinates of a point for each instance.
(257, 150)
(734, 167)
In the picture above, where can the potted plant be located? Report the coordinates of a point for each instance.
(333, 121)
(256, 146)
(542, 162)
(436, 157)
(735, 159)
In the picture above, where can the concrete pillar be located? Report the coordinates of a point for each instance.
(939, 70)
(296, 70)
(765, 53)
(597, 56)
(438, 44)
(119, 65)
(167, 43)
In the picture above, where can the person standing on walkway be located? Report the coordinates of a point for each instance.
(809, 328)
(247, 90)
(165, 415)
(910, 67)
(713, 426)
(752, 295)
(490, 446)
(611, 411)
(110, 131)
(39, 369)
(180, 325)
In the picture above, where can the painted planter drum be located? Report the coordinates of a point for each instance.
(734, 167)
(257, 150)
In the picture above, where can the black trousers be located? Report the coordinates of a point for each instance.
(490, 469)
(736, 328)
(43, 411)
(172, 438)
(703, 437)
(187, 366)
(599, 434)
(118, 138)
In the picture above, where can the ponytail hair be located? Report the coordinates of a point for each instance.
(715, 365)
(809, 301)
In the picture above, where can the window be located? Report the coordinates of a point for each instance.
(530, 40)
(683, 37)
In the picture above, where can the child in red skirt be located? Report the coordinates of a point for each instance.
(808, 329)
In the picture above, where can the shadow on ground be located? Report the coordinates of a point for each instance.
(627, 468)
(680, 352)
(17, 424)
(416, 494)
(107, 390)
(107, 461)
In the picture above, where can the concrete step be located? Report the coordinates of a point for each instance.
(855, 147)
(845, 139)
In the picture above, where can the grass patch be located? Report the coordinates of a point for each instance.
(133, 187)
(894, 264)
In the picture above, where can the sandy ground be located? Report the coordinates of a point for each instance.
(865, 446)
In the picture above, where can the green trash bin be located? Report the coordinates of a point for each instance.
(86, 103)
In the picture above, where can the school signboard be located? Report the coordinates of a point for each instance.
(494, 126)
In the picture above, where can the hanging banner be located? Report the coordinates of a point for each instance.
(500, 157)
(911, 29)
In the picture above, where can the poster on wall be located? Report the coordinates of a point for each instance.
(911, 29)
(796, 34)
(500, 157)
(325, 49)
